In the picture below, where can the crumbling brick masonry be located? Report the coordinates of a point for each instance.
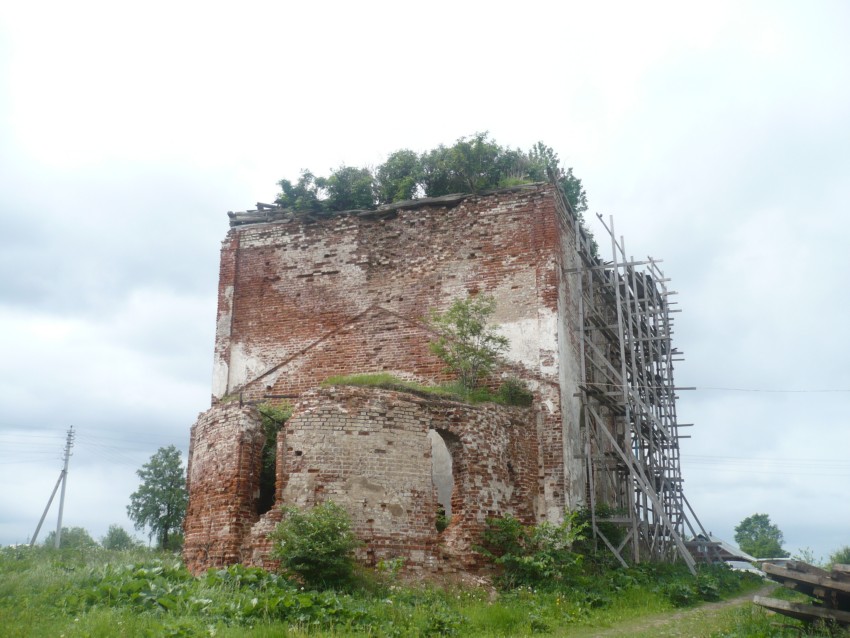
(302, 299)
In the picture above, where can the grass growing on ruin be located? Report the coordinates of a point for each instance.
(511, 392)
(383, 380)
(99, 593)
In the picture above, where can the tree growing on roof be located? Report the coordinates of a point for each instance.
(348, 188)
(398, 178)
(302, 196)
(472, 164)
(757, 536)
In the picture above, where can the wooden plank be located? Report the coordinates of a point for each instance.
(808, 579)
(840, 572)
(800, 566)
(800, 611)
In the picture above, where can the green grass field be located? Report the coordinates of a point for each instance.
(98, 593)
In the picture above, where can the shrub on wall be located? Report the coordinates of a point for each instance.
(514, 391)
(316, 545)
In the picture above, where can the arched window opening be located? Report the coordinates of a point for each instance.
(442, 473)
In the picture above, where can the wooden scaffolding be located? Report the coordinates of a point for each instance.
(628, 407)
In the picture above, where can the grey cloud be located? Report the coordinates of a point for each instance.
(107, 235)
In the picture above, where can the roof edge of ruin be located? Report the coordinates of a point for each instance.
(266, 213)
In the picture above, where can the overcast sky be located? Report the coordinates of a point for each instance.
(718, 136)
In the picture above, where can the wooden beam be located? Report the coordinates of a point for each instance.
(800, 611)
(812, 577)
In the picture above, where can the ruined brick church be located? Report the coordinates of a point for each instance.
(303, 298)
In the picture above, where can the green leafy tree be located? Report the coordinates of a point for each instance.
(543, 161)
(348, 188)
(316, 544)
(72, 538)
(840, 556)
(436, 174)
(469, 166)
(472, 164)
(574, 192)
(514, 168)
(757, 536)
(544, 164)
(117, 538)
(467, 344)
(160, 502)
(303, 196)
(397, 178)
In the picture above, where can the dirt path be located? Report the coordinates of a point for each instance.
(668, 624)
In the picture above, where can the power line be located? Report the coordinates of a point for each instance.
(27, 448)
(776, 391)
(772, 466)
(750, 459)
(21, 434)
(771, 472)
(620, 386)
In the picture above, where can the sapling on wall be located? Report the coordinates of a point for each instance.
(467, 343)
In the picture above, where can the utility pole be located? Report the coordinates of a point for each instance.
(44, 514)
(69, 443)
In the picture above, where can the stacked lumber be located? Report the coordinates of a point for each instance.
(830, 591)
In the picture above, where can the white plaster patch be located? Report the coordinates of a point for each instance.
(244, 365)
(271, 378)
(532, 337)
(222, 336)
(219, 381)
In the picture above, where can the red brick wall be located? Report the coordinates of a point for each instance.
(223, 480)
(367, 450)
(348, 294)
